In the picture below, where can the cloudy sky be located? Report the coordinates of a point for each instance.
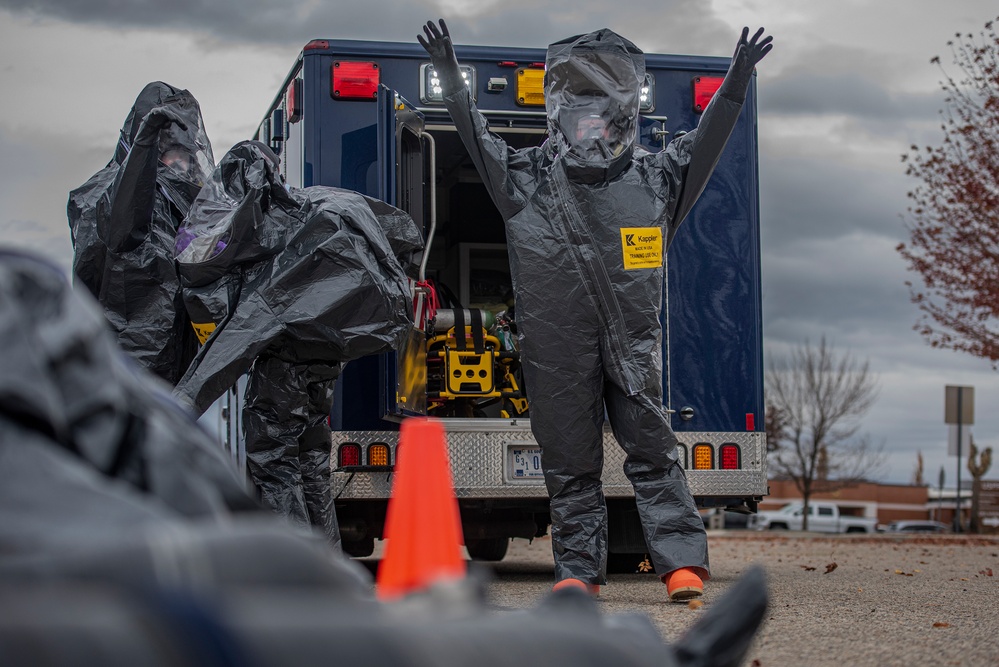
(848, 87)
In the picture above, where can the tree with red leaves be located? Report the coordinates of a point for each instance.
(953, 221)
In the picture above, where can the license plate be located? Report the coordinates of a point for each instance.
(525, 462)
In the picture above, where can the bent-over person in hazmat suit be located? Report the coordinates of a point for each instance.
(294, 282)
(564, 204)
(123, 223)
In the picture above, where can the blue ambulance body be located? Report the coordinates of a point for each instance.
(364, 116)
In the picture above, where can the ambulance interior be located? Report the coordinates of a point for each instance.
(468, 273)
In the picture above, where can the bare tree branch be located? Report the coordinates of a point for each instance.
(817, 399)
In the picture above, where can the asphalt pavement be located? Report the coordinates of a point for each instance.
(834, 599)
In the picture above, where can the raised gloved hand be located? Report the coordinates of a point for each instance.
(748, 52)
(157, 119)
(438, 45)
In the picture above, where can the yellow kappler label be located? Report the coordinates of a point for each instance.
(203, 331)
(642, 246)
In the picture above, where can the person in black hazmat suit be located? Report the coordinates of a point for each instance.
(295, 282)
(565, 204)
(124, 219)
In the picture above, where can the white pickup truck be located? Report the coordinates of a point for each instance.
(823, 517)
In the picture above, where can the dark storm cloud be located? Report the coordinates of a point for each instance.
(262, 21)
(806, 92)
(854, 82)
(851, 285)
(680, 26)
(827, 196)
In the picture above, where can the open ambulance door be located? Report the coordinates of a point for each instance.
(405, 155)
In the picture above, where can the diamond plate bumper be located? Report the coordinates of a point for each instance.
(481, 463)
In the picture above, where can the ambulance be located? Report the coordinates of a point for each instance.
(368, 116)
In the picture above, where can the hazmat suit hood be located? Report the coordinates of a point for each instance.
(185, 154)
(154, 94)
(592, 95)
(65, 381)
(311, 276)
(225, 227)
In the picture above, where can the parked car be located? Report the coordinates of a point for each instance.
(914, 526)
(823, 517)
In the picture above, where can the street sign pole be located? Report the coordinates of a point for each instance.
(959, 409)
(940, 495)
(957, 501)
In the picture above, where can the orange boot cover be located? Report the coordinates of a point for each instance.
(683, 585)
(592, 589)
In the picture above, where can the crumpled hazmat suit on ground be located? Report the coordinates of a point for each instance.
(127, 537)
(90, 443)
(295, 283)
(121, 519)
(589, 322)
(124, 219)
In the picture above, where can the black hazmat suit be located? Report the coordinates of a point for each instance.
(295, 282)
(588, 315)
(124, 219)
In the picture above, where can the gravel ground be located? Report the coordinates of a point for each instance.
(834, 600)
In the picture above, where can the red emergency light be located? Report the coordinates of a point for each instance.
(705, 88)
(349, 454)
(353, 80)
(750, 421)
(293, 101)
(317, 44)
(730, 456)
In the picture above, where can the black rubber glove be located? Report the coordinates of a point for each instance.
(748, 52)
(438, 45)
(156, 120)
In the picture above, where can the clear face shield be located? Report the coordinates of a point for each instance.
(207, 229)
(225, 204)
(596, 137)
(593, 100)
(185, 156)
(186, 160)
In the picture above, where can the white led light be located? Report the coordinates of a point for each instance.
(647, 99)
(431, 91)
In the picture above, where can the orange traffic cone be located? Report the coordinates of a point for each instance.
(422, 524)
